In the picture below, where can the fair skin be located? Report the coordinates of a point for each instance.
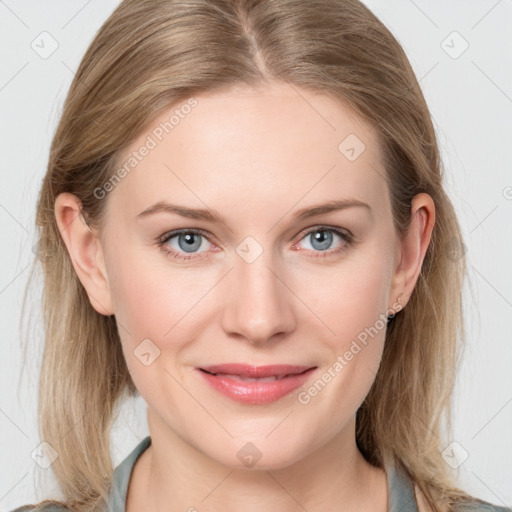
(256, 157)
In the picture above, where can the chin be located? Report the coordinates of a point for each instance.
(259, 455)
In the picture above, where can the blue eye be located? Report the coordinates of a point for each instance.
(188, 240)
(321, 240)
(185, 244)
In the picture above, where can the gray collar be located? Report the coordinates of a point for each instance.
(401, 496)
(400, 490)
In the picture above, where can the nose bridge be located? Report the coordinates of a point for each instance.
(259, 303)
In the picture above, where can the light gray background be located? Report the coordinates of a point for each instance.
(470, 97)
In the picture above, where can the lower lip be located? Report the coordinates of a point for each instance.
(253, 392)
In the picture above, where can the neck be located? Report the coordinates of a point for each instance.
(173, 475)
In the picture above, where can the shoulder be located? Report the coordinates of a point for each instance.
(470, 505)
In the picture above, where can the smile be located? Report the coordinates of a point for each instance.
(255, 385)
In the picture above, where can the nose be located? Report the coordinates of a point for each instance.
(259, 304)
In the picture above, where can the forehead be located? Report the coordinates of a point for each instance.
(275, 145)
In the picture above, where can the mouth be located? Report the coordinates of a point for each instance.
(244, 378)
(249, 372)
(255, 384)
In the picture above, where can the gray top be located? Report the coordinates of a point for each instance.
(401, 496)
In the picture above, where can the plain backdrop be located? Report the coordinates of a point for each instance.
(461, 52)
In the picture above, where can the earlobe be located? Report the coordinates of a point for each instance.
(85, 251)
(414, 245)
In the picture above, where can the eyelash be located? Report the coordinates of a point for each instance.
(348, 238)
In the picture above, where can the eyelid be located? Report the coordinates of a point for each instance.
(175, 232)
(326, 227)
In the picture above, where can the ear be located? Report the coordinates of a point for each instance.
(85, 251)
(413, 247)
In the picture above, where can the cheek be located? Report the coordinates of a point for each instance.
(353, 306)
(349, 297)
(147, 304)
(148, 298)
(163, 304)
(352, 302)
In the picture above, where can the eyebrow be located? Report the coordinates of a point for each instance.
(214, 216)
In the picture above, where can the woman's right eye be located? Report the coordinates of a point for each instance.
(185, 243)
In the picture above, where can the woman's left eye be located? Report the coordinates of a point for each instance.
(321, 239)
(186, 243)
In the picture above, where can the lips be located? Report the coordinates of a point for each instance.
(255, 384)
(255, 372)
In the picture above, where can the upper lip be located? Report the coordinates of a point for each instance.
(245, 370)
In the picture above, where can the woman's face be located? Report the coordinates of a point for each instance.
(251, 280)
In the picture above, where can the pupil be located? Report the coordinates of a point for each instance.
(324, 239)
(190, 244)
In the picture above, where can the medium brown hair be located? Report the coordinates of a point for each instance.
(152, 54)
